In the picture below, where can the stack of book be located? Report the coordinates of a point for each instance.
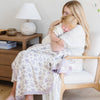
(7, 44)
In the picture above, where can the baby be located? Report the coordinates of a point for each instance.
(67, 23)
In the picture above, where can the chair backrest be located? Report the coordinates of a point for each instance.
(94, 50)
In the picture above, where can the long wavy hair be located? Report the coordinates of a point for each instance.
(78, 11)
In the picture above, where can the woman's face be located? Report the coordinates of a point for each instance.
(66, 11)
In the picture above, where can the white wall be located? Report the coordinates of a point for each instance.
(93, 17)
(50, 10)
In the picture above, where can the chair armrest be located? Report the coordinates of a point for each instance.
(82, 57)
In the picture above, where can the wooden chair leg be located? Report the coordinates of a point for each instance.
(62, 86)
(97, 87)
(61, 94)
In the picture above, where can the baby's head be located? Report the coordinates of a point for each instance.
(68, 22)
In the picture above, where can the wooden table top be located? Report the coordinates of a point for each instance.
(20, 37)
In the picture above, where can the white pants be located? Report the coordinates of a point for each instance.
(54, 94)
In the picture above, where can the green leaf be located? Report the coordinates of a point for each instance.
(98, 10)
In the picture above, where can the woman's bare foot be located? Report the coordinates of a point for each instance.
(12, 93)
(10, 97)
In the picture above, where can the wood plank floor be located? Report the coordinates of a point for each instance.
(5, 88)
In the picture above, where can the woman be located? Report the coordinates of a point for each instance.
(75, 8)
(22, 85)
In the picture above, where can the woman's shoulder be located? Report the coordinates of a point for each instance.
(77, 31)
(79, 28)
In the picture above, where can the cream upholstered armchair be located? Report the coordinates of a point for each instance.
(90, 75)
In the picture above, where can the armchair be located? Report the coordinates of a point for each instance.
(90, 76)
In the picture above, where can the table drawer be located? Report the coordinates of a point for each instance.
(6, 59)
(5, 71)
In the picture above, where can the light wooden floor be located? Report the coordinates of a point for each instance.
(80, 94)
(5, 88)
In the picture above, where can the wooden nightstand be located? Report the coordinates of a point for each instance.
(7, 56)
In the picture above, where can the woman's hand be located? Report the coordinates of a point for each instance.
(54, 37)
(54, 24)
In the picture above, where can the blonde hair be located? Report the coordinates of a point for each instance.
(70, 19)
(77, 10)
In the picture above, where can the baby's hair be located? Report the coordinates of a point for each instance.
(70, 19)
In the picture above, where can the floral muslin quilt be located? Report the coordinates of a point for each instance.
(34, 68)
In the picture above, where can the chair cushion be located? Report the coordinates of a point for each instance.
(94, 50)
(71, 65)
(78, 78)
(90, 65)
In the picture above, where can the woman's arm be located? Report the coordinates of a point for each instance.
(57, 46)
(61, 42)
(54, 37)
(52, 25)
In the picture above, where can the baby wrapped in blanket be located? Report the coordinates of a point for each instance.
(67, 23)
